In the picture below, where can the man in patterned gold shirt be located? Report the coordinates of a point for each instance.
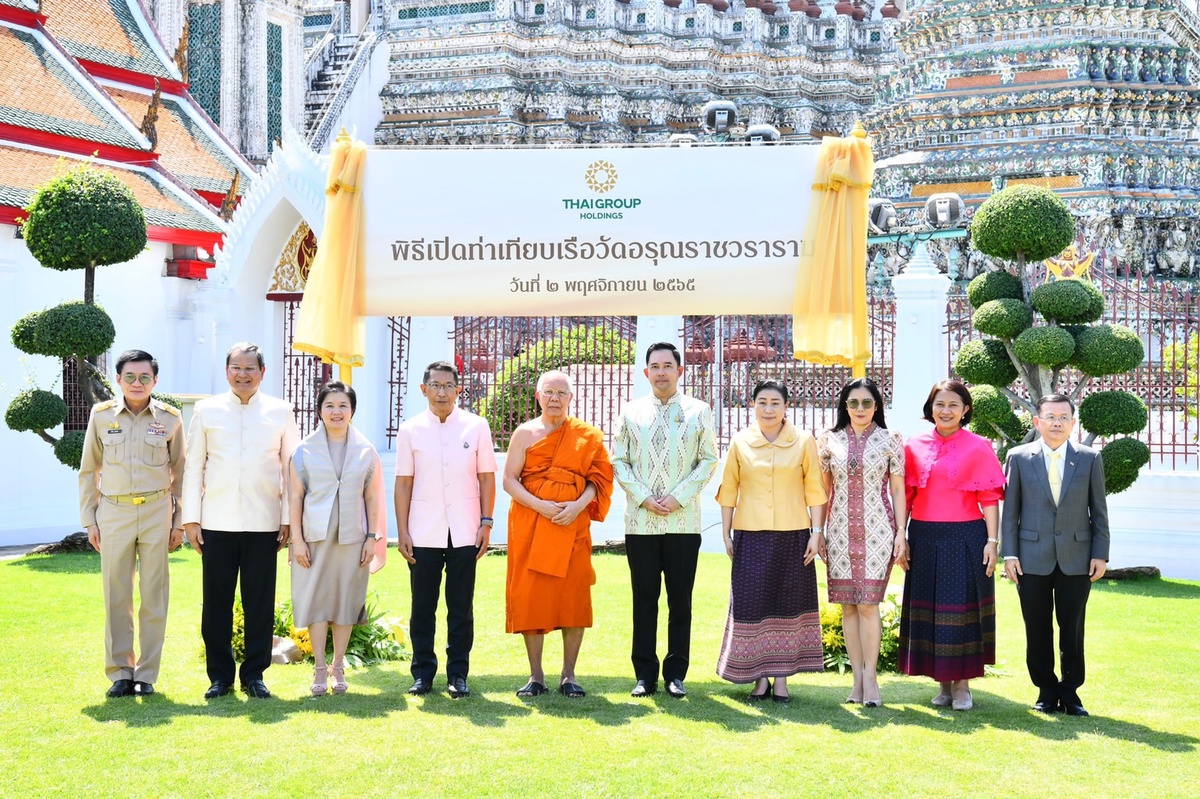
(130, 478)
(664, 453)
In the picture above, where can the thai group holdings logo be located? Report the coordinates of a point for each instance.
(601, 177)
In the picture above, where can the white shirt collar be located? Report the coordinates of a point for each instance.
(1061, 450)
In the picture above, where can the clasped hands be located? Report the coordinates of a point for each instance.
(661, 506)
(560, 513)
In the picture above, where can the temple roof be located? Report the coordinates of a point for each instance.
(40, 93)
(186, 145)
(108, 32)
(22, 171)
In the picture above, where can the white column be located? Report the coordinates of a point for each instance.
(651, 330)
(209, 327)
(430, 339)
(231, 72)
(254, 92)
(920, 359)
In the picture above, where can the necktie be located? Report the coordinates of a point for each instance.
(1055, 476)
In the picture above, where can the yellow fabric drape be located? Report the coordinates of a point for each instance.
(330, 322)
(830, 309)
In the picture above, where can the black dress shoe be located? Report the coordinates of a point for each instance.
(120, 688)
(143, 688)
(1047, 706)
(1074, 710)
(644, 688)
(458, 688)
(675, 688)
(256, 689)
(218, 688)
(420, 687)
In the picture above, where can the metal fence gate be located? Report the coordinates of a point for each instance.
(500, 359)
(725, 356)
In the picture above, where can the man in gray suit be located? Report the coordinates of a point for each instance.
(1054, 540)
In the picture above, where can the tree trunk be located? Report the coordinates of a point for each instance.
(89, 284)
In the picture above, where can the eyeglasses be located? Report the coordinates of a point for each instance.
(436, 387)
(556, 393)
(1060, 419)
(144, 379)
(242, 370)
(855, 404)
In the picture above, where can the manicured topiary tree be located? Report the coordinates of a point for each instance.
(81, 219)
(1062, 353)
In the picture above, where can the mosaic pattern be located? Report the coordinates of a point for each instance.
(204, 57)
(274, 85)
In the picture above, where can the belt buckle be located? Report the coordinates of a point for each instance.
(139, 501)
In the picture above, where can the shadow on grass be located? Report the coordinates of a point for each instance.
(909, 705)
(1149, 587)
(64, 563)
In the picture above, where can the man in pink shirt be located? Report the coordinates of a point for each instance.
(445, 493)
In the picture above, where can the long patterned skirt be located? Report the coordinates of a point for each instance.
(948, 620)
(773, 628)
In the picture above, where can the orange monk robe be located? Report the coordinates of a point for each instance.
(550, 575)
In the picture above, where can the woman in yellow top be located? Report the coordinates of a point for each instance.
(772, 501)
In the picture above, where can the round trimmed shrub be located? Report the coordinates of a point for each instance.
(74, 328)
(1023, 220)
(1111, 413)
(988, 403)
(34, 409)
(82, 218)
(985, 361)
(23, 337)
(69, 449)
(1069, 302)
(1107, 350)
(1123, 459)
(994, 286)
(1004, 318)
(1044, 345)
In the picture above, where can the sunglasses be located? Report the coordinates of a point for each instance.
(854, 404)
(131, 378)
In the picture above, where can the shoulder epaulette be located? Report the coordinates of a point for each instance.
(103, 406)
(166, 406)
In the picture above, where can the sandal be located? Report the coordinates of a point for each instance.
(339, 680)
(320, 686)
(573, 690)
(531, 688)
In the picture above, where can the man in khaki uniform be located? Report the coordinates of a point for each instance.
(130, 478)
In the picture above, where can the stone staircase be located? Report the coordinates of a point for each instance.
(328, 81)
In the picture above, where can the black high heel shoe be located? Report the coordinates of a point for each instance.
(753, 697)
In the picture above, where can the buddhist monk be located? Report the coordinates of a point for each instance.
(559, 476)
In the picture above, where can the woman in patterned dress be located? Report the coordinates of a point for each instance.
(863, 467)
(772, 505)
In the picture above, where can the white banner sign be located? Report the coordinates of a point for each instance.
(625, 231)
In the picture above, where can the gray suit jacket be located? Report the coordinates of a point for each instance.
(1041, 534)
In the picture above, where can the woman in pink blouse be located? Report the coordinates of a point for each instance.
(954, 485)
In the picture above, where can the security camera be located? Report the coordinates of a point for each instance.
(882, 216)
(762, 134)
(719, 116)
(944, 210)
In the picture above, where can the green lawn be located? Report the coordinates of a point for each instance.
(60, 737)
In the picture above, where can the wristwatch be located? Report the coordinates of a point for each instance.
(374, 536)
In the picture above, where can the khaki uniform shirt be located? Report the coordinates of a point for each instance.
(126, 453)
